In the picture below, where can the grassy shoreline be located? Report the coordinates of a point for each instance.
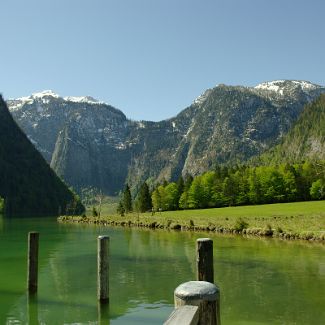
(299, 220)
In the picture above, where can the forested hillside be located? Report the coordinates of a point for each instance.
(28, 185)
(306, 139)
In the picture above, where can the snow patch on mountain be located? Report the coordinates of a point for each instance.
(199, 100)
(40, 95)
(45, 97)
(45, 93)
(305, 85)
(270, 85)
(141, 125)
(83, 99)
(279, 86)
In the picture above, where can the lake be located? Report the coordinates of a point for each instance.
(262, 281)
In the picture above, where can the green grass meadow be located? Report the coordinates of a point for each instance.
(292, 218)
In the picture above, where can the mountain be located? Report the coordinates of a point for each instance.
(305, 140)
(85, 141)
(90, 143)
(28, 184)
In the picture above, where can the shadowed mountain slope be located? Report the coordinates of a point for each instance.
(28, 184)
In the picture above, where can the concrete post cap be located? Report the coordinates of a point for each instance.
(197, 290)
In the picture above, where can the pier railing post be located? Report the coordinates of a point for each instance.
(103, 269)
(204, 260)
(32, 262)
(203, 294)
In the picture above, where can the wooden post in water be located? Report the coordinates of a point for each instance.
(102, 269)
(32, 262)
(204, 260)
(203, 294)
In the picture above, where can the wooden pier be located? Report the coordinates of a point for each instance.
(198, 302)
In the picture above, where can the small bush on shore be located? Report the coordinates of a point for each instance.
(240, 225)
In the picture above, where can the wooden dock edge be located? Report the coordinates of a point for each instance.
(184, 315)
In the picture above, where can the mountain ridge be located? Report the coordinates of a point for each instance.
(88, 142)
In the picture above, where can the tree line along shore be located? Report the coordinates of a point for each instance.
(298, 220)
(230, 186)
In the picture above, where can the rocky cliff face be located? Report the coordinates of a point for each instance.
(84, 140)
(226, 124)
(28, 185)
(90, 143)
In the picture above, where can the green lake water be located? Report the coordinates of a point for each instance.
(261, 281)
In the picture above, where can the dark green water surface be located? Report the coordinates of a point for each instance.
(261, 281)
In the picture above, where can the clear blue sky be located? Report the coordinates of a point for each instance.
(152, 58)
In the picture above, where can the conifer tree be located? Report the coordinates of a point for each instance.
(180, 189)
(127, 199)
(144, 202)
(120, 209)
(188, 182)
(180, 185)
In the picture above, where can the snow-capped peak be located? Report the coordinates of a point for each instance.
(279, 85)
(270, 85)
(45, 93)
(41, 95)
(45, 96)
(82, 99)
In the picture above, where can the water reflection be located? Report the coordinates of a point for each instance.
(103, 314)
(261, 281)
(32, 309)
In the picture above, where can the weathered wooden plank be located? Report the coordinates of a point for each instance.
(184, 315)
